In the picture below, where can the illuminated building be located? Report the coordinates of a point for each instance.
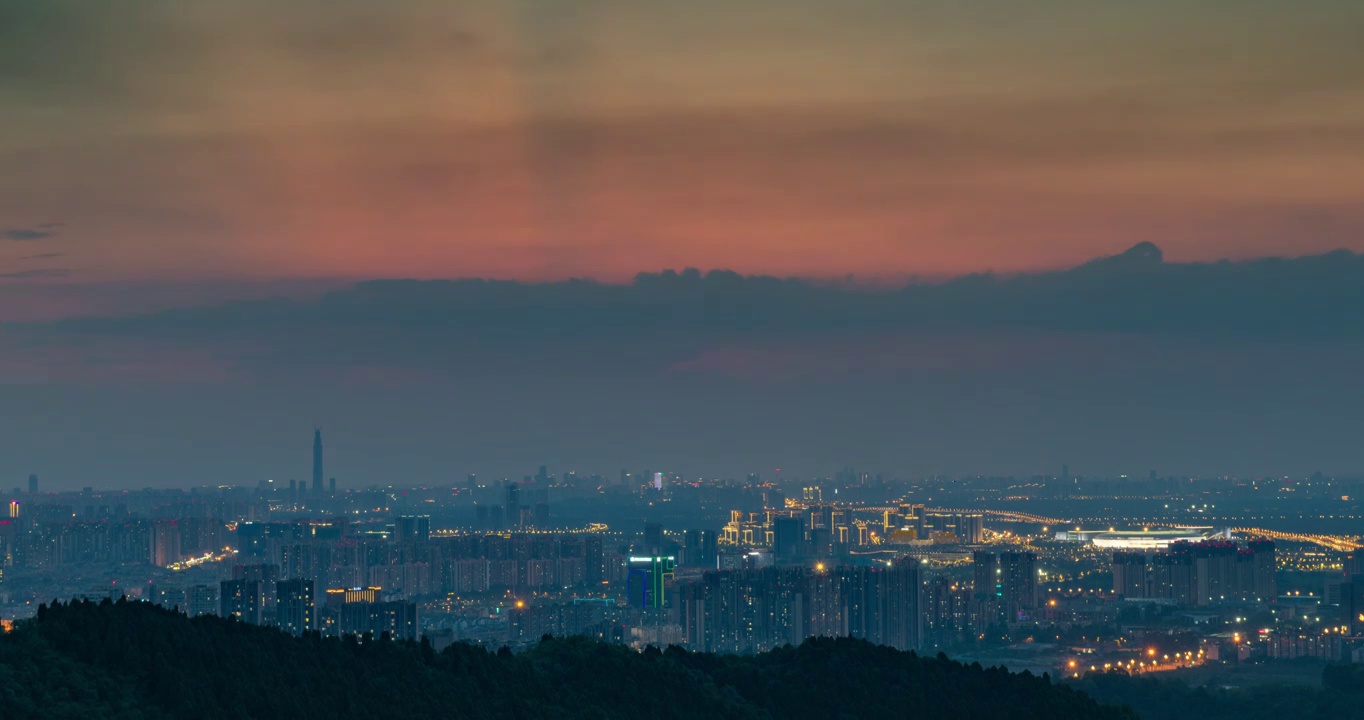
(165, 543)
(264, 576)
(398, 619)
(294, 606)
(646, 580)
(759, 609)
(356, 611)
(1007, 583)
(240, 599)
(1137, 539)
(946, 609)
(343, 596)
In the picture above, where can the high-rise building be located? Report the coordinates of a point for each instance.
(165, 545)
(647, 580)
(1214, 572)
(710, 548)
(331, 487)
(653, 538)
(758, 609)
(1171, 574)
(1264, 585)
(691, 548)
(513, 505)
(317, 462)
(294, 606)
(1352, 604)
(788, 537)
(1006, 583)
(33, 484)
(1206, 573)
(201, 600)
(1354, 563)
(947, 614)
(471, 483)
(412, 528)
(1129, 575)
(358, 611)
(240, 599)
(901, 621)
(1020, 583)
(594, 558)
(264, 576)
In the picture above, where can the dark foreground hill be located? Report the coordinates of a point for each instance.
(133, 660)
(1341, 697)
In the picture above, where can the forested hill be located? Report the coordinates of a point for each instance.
(134, 660)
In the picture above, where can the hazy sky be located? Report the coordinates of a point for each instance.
(181, 140)
(174, 155)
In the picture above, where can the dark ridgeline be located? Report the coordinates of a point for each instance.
(132, 660)
(317, 463)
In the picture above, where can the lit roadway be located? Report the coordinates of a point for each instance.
(1334, 542)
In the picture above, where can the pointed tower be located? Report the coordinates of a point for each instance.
(317, 462)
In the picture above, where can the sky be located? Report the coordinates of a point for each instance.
(185, 140)
(162, 158)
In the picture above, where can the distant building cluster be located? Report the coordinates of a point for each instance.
(1198, 574)
(754, 610)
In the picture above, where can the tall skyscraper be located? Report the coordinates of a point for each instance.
(317, 462)
(33, 484)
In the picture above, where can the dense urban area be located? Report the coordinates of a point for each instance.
(1063, 574)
